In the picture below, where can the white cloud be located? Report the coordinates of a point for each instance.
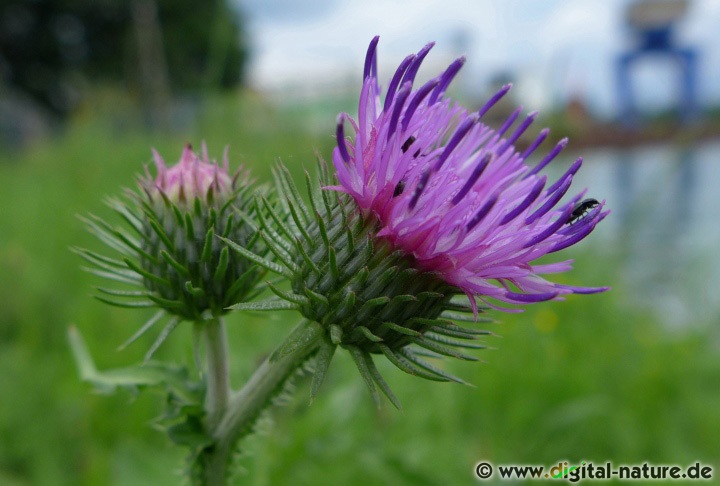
(555, 46)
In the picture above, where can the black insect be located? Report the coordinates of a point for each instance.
(581, 209)
(408, 142)
(406, 145)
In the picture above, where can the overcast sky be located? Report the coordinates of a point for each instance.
(553, 47)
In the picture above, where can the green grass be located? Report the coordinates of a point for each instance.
(591, 378)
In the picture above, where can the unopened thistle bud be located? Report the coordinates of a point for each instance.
(169, 245)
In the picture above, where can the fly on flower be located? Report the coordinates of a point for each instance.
(455, 193)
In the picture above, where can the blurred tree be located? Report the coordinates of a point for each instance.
(52, 50)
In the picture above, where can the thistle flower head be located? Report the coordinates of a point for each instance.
(456, 194)
(429, 207)
(169, 247)
(364, 295)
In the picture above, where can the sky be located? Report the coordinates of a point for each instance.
(552, 48)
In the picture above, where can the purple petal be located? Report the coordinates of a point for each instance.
(340, 136)
(530, 298)
(529, 199)
(495, 98)
(569, 173)
(415, 64)
(395, 82)
(371, 59)
(518, 132)
(533, 146)
(484, 161)
(459, 134)
(480, 215)
(416, 100)
(549, 157)
(446, 79)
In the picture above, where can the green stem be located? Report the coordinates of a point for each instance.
(245, 406)
(218, 373)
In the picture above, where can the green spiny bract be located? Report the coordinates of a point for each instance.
(198, 274)
(170, 248)
(368, 297)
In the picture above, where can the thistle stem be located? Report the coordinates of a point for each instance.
(246, 405)
(218, 373)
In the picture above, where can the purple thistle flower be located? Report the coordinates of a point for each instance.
(455, 193)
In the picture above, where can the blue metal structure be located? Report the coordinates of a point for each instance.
(653, 24)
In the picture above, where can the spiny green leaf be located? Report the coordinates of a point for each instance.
(194, 291)
(167, 303)
(279, 222)
(458, 343)
(465, 316)
(145, 327)
(402, 363)
(280, 253)
(368, 334)
(289, 296)
(126, 214)
(305, 334)
(450, 329)
(242, 281)
(382, 383)
(336, 334)
(189, 227)
(361, 358)
(311, 192)
(322, 363)
(122, 293)
(290, 187)
(431, 295)
(444, 350)
(273, 267)
(359, 279)
(347, 304)
(265, 305)
(332, 260)
(160, 232)
(401, 299)
(179, 267)
(169, 327)
(458, 306)
(222, 265)
(300, 225)
(376, 302)
(207, 246)
(229, 224)
(318, 298)
(421, 363)
(150, 276)
(323, 230)
(307, 258)
(114, 275)
(107, 238)
(97, 259)
(131, 305)
(400, 329)
(148, 374)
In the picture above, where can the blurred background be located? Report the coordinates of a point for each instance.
(632, 375)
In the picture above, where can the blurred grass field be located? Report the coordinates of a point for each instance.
(593, 378)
